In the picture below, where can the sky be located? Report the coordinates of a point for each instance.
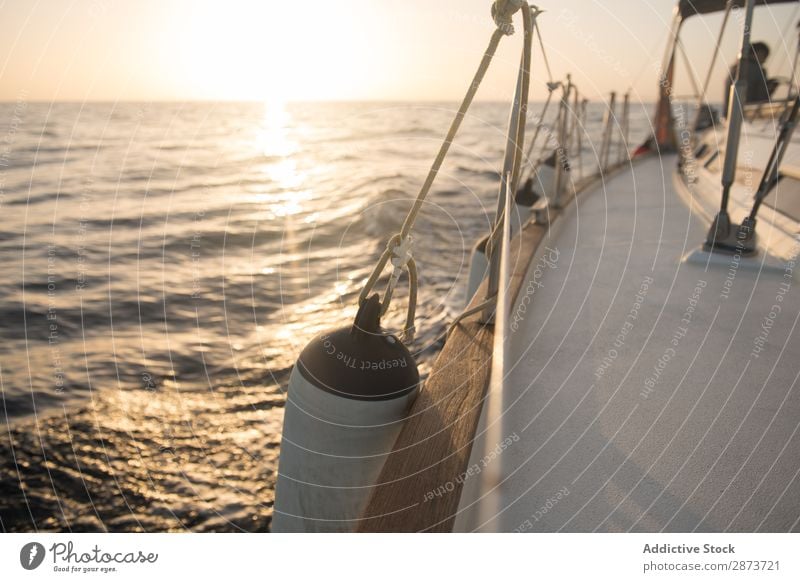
(393, 50)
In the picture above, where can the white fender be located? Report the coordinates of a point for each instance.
(348, 397)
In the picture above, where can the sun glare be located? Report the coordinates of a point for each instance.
(269, 52)
(273, 138)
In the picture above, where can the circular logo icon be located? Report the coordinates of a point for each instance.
(31, 555)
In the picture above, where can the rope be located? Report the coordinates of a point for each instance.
(400, 256)
(496, 233)
(722, 27)
(646, 63)
(690, 69)
(451, 133)
(551, 86)
(471, 311)
(399, 246)
(502, 13)
(399, 253)
(413, 286)
(543, 151)
(541, 44)
(531, 167)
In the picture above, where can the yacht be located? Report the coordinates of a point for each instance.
(630, 356)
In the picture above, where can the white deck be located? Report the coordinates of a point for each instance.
(713, 445)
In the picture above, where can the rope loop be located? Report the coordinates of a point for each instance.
(400, 256)
(398, 252)
(502, 13)
(401, 253)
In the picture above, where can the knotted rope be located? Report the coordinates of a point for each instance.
(398, 248)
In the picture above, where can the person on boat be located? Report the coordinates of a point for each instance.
(759, 86)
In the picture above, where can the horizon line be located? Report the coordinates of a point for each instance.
(263, 101)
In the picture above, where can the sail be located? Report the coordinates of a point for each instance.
(689, 8)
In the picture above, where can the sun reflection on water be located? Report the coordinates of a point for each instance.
(274, 141)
